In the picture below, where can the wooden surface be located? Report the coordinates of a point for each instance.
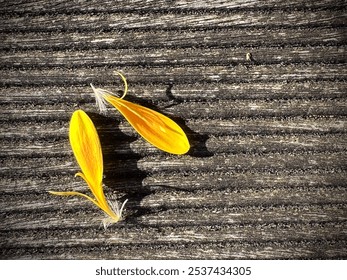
(266, 174)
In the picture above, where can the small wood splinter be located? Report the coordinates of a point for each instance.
(157, 129)
(249, 57)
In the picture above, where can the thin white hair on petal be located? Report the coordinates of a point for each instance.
(121, 208)
(115, 207)
(99, 99)
(107, 221)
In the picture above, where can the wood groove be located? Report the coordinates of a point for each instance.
(224, 144)
(164, 93)
(250, 37)
(176, 210)
(85, 7)
(270, 73)
(329, 249)
(182, 57)
(163, 22)
(34, 184)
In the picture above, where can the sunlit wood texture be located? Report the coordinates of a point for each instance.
(266, 174)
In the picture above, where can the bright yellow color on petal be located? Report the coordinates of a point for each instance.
(157, 129)
(86, 147)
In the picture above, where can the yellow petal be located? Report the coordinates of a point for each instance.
(113, 217)
(157, 129)
(75, 193)
(86, 147)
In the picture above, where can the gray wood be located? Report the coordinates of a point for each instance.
(147, 21)
(209, 38)
(161, 57)
(66, 6)
(155, 93)
(266, 174)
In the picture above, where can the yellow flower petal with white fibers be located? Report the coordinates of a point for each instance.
(156, 128)
(86, 147)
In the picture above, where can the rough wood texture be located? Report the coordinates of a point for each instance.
(266, 174)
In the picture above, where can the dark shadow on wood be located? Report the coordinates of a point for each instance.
(197, 141)
(115, 170)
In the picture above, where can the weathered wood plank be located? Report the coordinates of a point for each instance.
(159, 93)
(264, 126)
(244, 162)
(250, 37)
(53, 128)
(160, 57)
(168, 21)
(223, 144)
(155, 164)
(199, 204)
(327, 249)
(195, 110)
(281, 108)
(241, 180)
(167, 75)
(224, 198)
(65, 6)
(213, 180)
(184, 234)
